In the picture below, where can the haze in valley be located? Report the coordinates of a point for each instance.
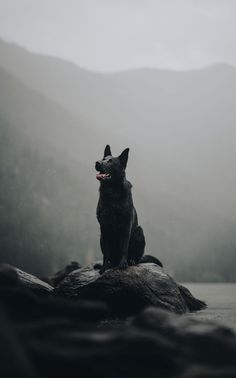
(156, 76)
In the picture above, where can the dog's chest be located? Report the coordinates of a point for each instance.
(114, 212)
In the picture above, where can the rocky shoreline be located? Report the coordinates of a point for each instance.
(75, 329)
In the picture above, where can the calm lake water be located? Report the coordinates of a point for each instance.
(220, 299)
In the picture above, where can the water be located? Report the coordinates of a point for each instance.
(220, 299)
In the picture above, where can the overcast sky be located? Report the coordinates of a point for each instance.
(110, 35)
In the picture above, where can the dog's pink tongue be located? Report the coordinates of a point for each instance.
(99, 176)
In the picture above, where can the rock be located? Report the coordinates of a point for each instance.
(128, 291)
(45, 336)
(50, 336)
(125, 291)
(54, 279)
(10, 275)
(193, 303)
(203, 348)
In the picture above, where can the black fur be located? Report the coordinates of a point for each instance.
(151, 259)
(122, 239)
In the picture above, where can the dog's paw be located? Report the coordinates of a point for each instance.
(132, 262)
(102, 270)
(97, 266)
(105, 267)
(123, 264)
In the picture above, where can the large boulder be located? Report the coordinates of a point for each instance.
(128, 291)
(125, 291)
(12, 276)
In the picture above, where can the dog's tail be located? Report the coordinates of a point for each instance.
(151, 259)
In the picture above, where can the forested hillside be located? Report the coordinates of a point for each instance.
(44, 208)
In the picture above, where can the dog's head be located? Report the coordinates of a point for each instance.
(112, 169)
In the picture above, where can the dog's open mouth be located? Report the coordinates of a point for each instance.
(103, 176)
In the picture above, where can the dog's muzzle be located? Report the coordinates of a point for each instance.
(98, 166)
(101, 175)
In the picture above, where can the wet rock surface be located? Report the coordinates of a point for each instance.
(127, 291)
(11, 275)
(47, 335)
(56, 278)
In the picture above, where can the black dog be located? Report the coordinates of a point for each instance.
(122, 239)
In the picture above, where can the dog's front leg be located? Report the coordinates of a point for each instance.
(106, 264)
(105, 250)
(124, 247)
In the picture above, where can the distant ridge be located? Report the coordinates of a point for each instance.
(180, 127)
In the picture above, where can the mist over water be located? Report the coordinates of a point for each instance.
(152, 83)
(221, 302)
(55, 120)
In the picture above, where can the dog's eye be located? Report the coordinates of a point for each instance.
(110, 161)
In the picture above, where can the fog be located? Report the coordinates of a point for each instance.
(111, 35)
(56, 118)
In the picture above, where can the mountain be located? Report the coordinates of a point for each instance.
(180, 119)
(44, 207)
(179, 125)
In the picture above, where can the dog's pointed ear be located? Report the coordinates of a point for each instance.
(107, 151)
(124, 157)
